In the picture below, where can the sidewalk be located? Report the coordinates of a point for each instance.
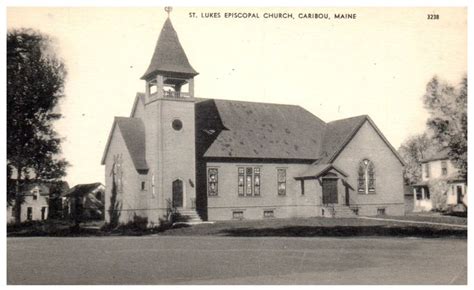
(414, 222)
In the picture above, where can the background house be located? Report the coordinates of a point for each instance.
(41, 200)
(440, 183)
(85, 202)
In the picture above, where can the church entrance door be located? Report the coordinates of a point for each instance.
(178, 193)
(329, 190)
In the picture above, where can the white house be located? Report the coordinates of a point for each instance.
(35, 204)
(439, 168)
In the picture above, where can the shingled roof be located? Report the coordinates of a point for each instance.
(337, 134)
(82, 189)
(169, 55)
(236, 129)
(133, 133)
(262, 130)
(317, 170)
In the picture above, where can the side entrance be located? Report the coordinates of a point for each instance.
(329, 190)
(177, 193)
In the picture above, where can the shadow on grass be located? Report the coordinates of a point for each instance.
(64, 229)
(48, 228)
(346, 231)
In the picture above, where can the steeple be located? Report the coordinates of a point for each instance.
(169, 65)
(169, 55)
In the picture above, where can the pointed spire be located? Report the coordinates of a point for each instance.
(169, 55)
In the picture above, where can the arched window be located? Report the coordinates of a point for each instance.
(366, 177)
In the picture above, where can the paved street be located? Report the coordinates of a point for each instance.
(236, 260)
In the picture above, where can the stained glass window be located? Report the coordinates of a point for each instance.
(366, 177)
(212, 181)
(281, 180)
(371, 177)
(248, 181)
(256, 181)
(361, 178)
(241, 181)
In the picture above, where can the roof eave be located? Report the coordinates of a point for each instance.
(109, 140)
(185, 74)
(322, 172)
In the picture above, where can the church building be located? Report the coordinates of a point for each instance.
(216, 159)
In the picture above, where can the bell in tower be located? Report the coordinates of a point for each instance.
(169, 75)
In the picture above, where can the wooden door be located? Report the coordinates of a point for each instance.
(177, 193)
(459, 194)
(329, 190)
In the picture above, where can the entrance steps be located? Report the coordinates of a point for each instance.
(338, 211)
(189, 216)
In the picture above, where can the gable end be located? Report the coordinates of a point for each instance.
(377, 130)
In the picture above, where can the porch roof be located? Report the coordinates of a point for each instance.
(420, 184)
(317, 170)
(448, 180)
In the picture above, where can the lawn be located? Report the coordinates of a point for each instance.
(434, 218)
(312, 227)
(293, 227)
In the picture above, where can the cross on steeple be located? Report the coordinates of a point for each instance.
(168, 10)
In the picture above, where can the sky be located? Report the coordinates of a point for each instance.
(377, 64)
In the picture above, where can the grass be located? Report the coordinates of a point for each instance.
(314, 227)
(293, 227)
(434, 218)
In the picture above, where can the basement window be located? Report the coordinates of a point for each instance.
(381, 211)
(237, 214)
(268, 214)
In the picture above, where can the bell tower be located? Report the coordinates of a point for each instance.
(169, 75)
(170, 124)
